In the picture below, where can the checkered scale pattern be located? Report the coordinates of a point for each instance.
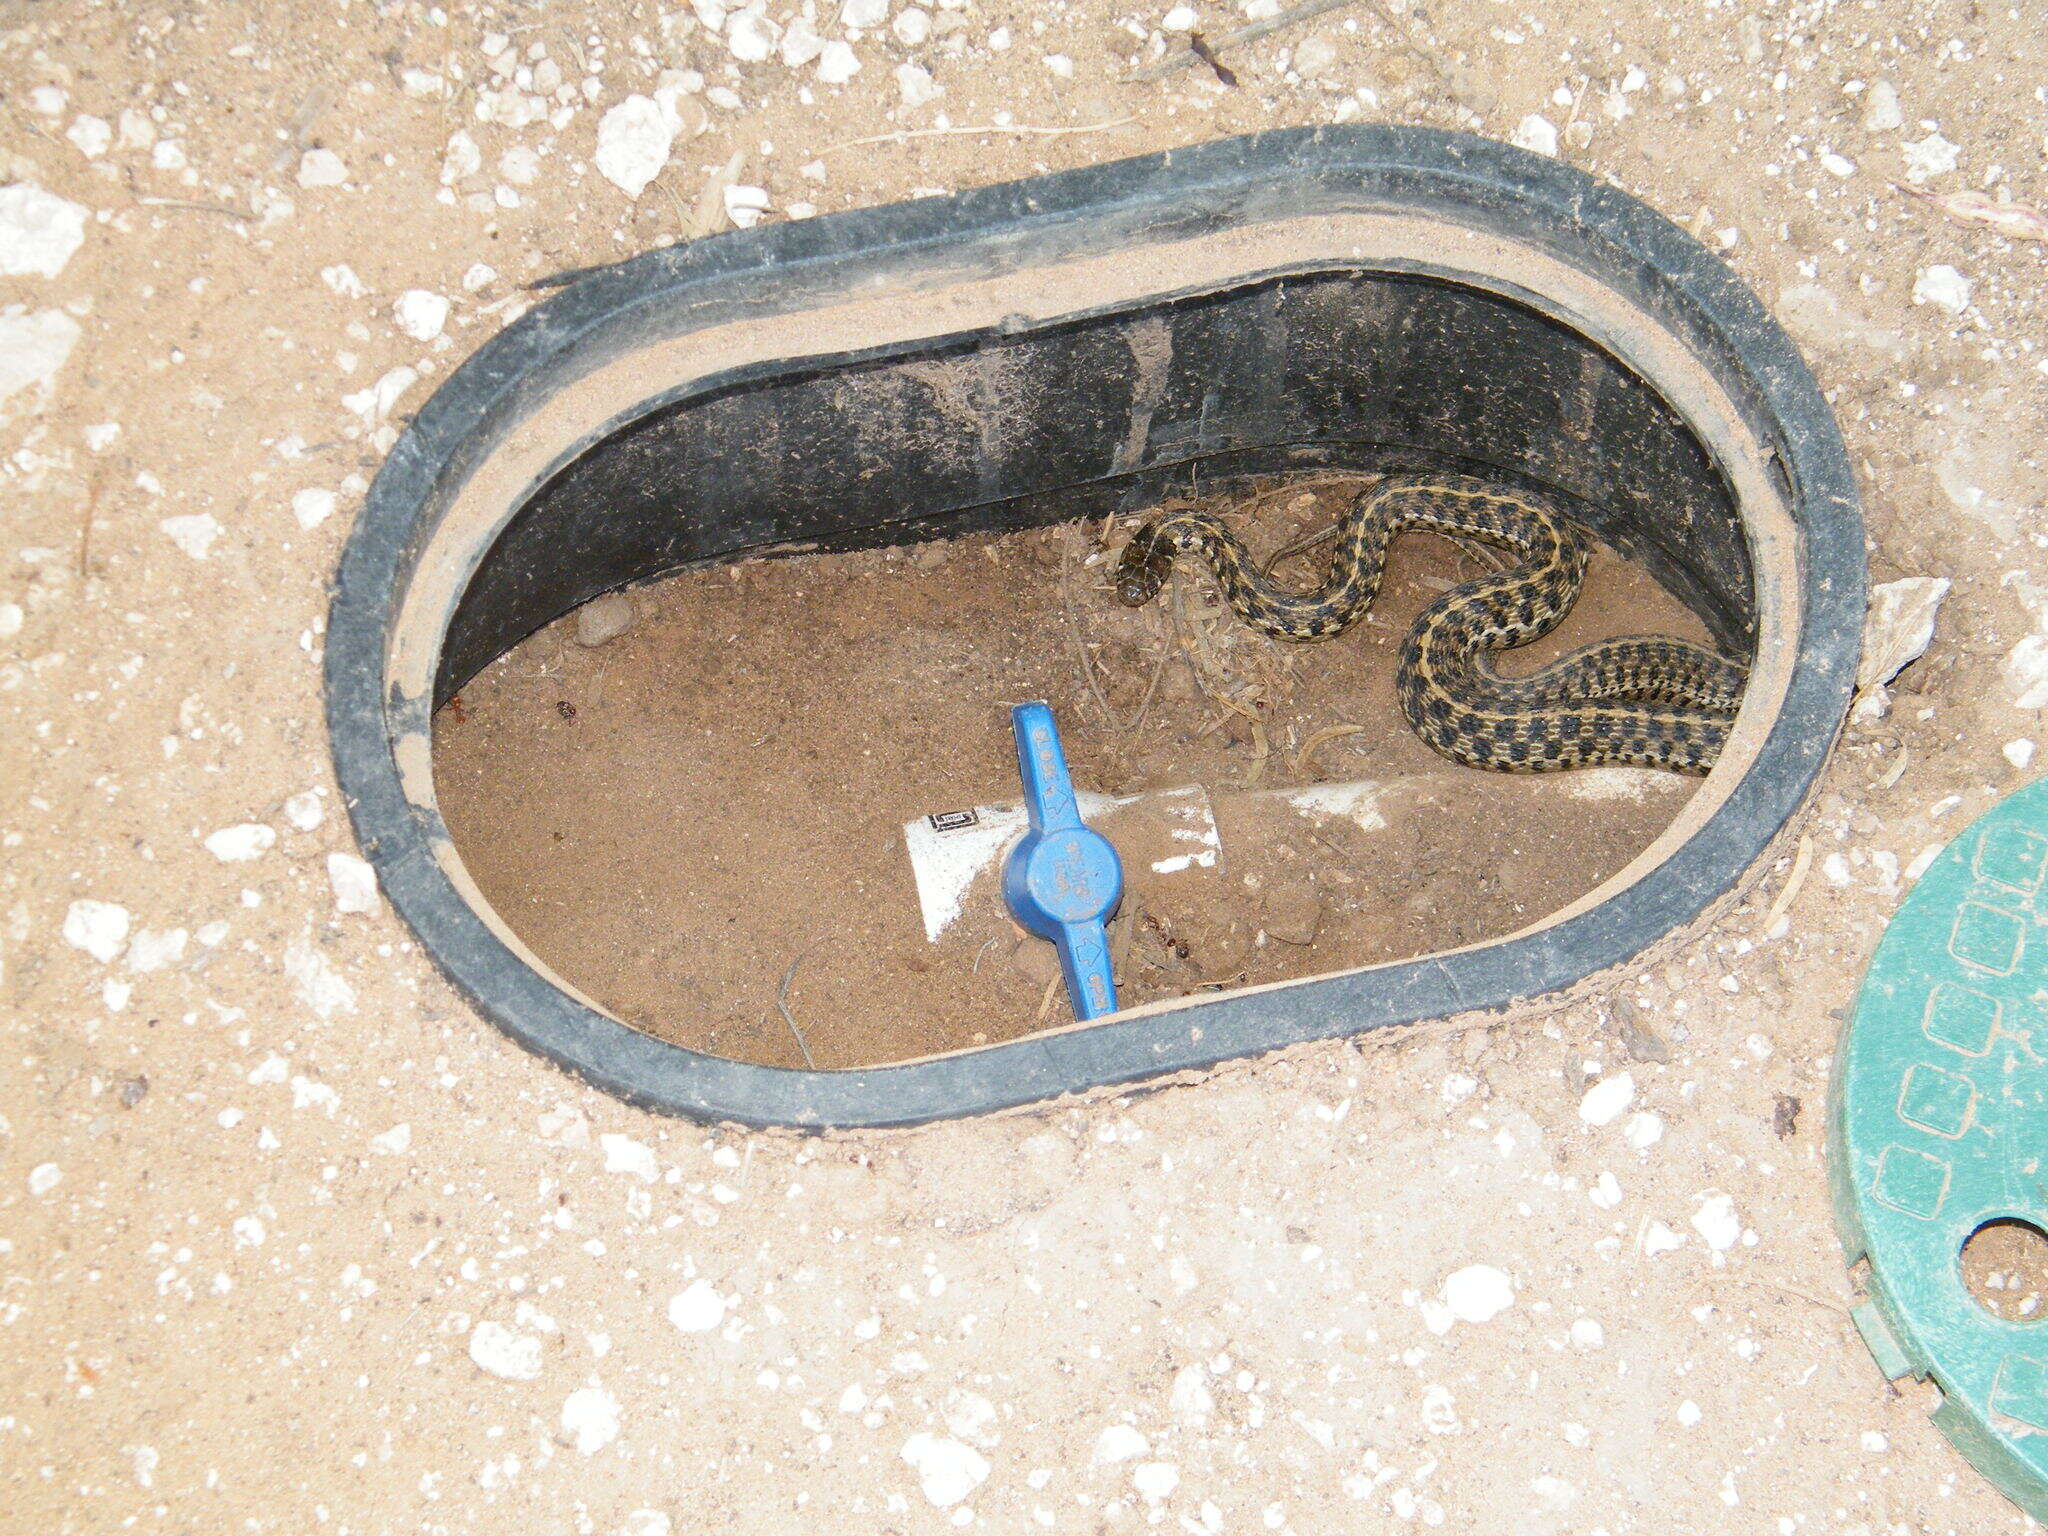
(1651, 700)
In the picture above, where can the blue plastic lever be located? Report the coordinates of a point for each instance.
(1063, 881)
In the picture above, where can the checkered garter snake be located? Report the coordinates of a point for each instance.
(1647, 700)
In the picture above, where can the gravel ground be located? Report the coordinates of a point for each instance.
(290, 1242)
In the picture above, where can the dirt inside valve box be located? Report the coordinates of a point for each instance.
(699, 821)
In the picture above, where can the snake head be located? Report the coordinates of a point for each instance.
(1143, 569)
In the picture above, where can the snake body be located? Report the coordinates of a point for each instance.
(1650, 700)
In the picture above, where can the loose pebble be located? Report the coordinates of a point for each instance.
(1478, 1293)
(590, 1418)
(697, 1308)
(353, 881)
(633, 143)
(193, 532)
(604, 619)
(1899, 626)
(1716, 1222)
(1119, 1442)
(322, 168)
(33, 346)
(947, 1471)
(240, 843)
(100, 928)
(622, 1154)
(420, 313)
(39, 231)
(1944, 287)
(312, 506)
(1606, 1099)
(1535, 132)
(507, 1355)
(1644, 1130)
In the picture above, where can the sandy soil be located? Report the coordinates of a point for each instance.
(679, 816)
(290, 1242)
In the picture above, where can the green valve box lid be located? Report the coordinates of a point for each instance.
(1939, 1125)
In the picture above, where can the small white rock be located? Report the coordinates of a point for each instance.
(697, 1308)
(947, 1470)
(1644, 1130)
(2026, 672)
(837, 62)
(1717, 1223)
(1190, 1399)
(193, 532)
(647, 1522)
(321, 168)
(341, 278)
(1944, 287)
(11, 619)
(1881, 113)
(865, 14)
(1837, 165)
(801, 42)
(1688, 1413)
(33, 346)
(461, 160)
(44, 1177)
(100, 928)
(39, 231)
(915, 83)
(1606, 1192)
(90, 136)
(354, 883)
(590, 1418)
(1439, 1410)
(1181, 18)
(507, 1355)
(633, 143)
(1535, 132)
(315, 981)
(1155, 1480)
(2019, 752)
(479, 276)
(1119, 1442)
(152, 951)
(394, 1141)
(913, 24)
(1929, 157)
(241, 843)
(622, 1154)
(1606, 1099)
(304, 810)
(1060, 65)
(312, 506)
(420, 313)
(751, 36)
(1659, 1238)
(1478, 1293)
(744, 205)
(1899, 626)
(1586, 1333)
(519, 165)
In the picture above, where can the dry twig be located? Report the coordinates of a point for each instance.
(902, 135)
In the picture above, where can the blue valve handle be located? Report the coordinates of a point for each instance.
(1063, 881)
